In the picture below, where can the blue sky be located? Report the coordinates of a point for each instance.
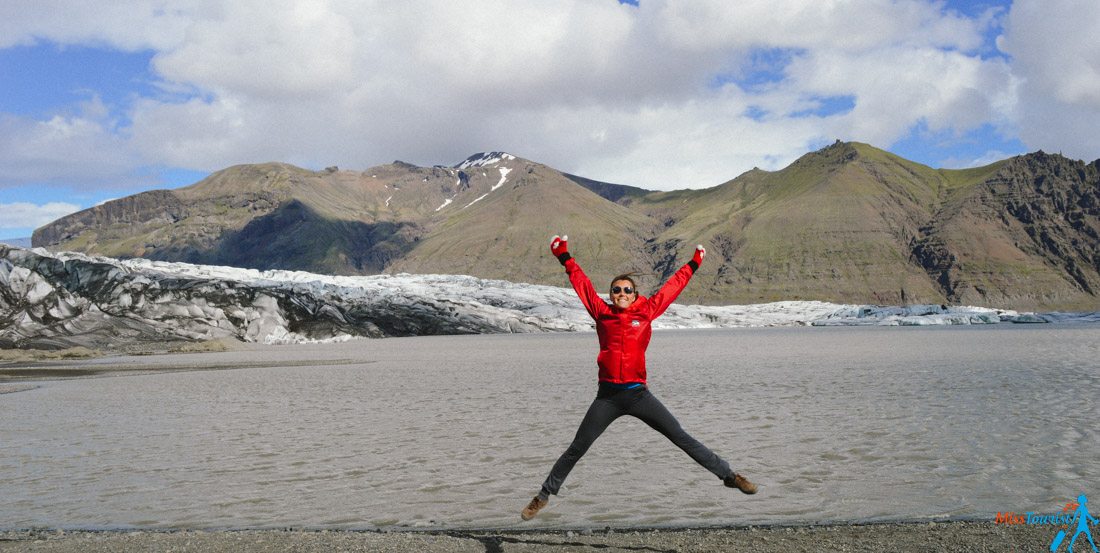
(103, 102)
(46, 77)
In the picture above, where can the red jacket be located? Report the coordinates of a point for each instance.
(624, 333)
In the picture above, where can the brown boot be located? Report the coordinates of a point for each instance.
(735, 480)
(533, 508)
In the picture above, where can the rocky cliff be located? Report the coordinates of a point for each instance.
(1027, 235)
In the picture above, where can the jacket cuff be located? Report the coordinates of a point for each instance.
(564, 257)
(694, 266)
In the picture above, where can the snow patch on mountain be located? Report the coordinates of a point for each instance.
(503, 177)
(447, 202)
(476, 200)
(485, 159)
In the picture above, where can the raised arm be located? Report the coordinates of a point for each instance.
(668, 293)
(559, 246)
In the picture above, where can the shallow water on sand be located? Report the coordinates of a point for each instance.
(835, 424)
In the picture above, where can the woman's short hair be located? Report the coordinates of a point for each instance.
(628, 277)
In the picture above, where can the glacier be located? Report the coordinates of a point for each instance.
(52, 300)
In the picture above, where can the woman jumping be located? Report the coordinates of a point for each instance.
(624, 331)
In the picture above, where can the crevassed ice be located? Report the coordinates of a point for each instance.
(165, 299)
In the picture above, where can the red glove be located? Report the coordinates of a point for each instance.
(697, 259)
(559, 246)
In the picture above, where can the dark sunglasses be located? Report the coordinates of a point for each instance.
(620, 289)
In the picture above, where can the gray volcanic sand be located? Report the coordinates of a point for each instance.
(899, 537)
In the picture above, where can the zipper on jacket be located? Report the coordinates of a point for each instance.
(622, 345)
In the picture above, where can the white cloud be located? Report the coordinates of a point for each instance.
(699, 143)
(587, 86)
(22, 215)
(897, 86)
(64, 150)
(267, 50)
(127, 24)
(612, 92)
(1056, 55)
(856, 26)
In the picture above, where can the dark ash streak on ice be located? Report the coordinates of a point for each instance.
(57, 300)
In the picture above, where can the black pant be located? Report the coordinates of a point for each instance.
(611, 404)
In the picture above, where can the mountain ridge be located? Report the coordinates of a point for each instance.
(848, 223)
